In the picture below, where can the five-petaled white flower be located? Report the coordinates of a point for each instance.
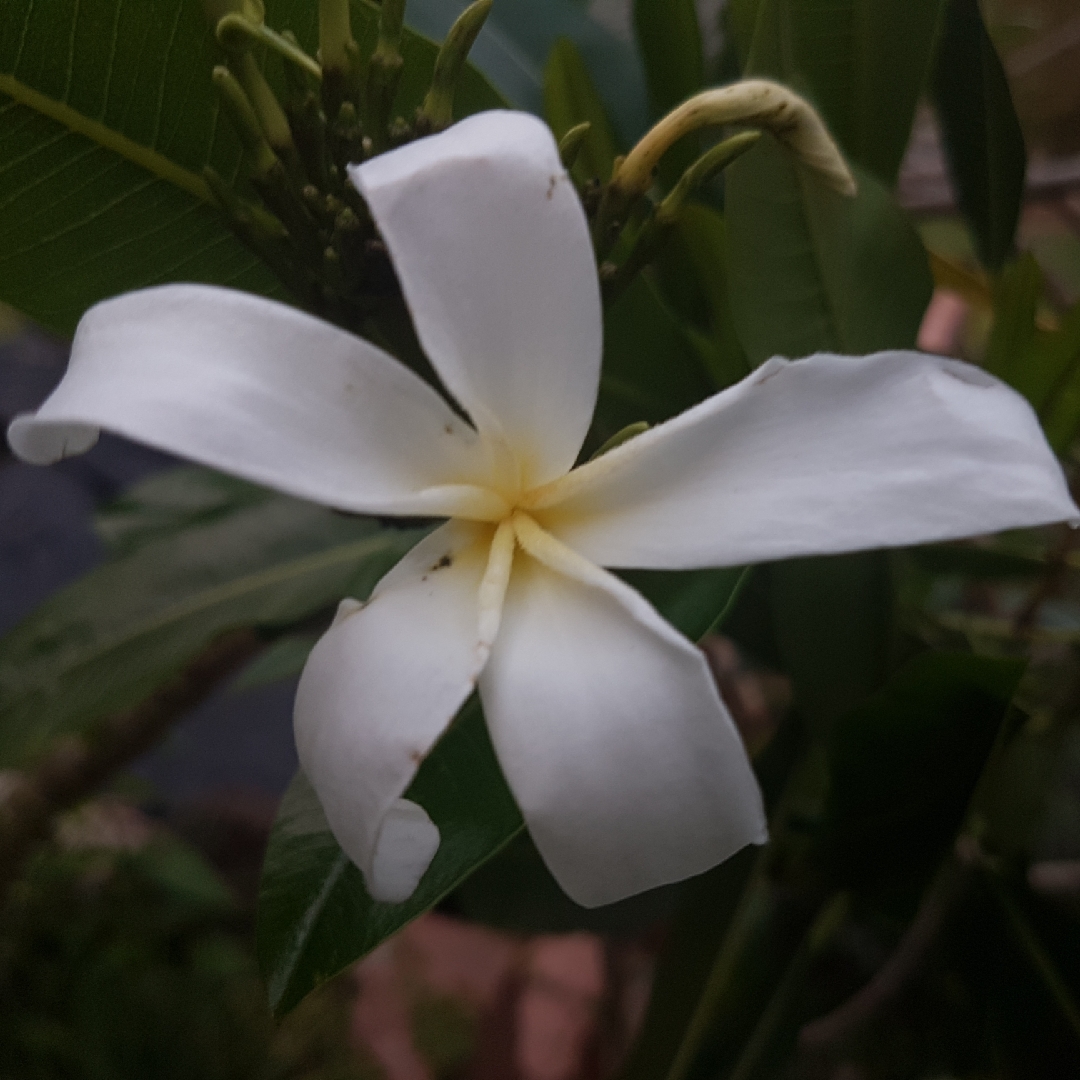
(605, 720)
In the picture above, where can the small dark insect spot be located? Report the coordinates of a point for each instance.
(552, 181)
(444, 562)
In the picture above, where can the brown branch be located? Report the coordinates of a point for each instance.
(78, 764)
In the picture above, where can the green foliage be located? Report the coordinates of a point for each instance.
(983, 141)
(669, 38)
(103, 143)
(571, 99)
(904, 765)
(131, 965)
(1043, 364)
(651, 369)
(142, 616)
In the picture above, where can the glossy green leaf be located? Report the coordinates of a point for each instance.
(107, 115)
(571, 99)
(983, 141)
(811, 270)
(517, 39)
(106, 642)
(669, 39)
(905, 763)
(315, 916)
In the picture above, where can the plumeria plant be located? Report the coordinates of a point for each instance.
(514, 411)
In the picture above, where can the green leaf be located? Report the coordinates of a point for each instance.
(864, 62)
(106, 642)
(669, 40)
(983, 141)
(651, 369)
(316, 917)
(284, 659)
(904, 764)
(571, 99)
(1059, 353)
(172, 500)
(833, 620)
(695, 602)
(704, 235)
(1016, 302)
(107, 114)
(1043, 365)
(811, 270)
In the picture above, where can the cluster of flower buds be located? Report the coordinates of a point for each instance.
(309, 224)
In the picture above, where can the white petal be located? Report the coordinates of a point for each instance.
(492, 249)
(609, 728)
(379, 689)
(407, 844)
(261, 390)
(827, 454)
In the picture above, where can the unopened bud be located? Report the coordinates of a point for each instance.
(437, 111)
(755, 102)
(571, 143)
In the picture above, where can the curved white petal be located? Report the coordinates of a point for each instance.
(378, 691)
(827, 454)
(609, 728)
(261, 390)
(493, 253)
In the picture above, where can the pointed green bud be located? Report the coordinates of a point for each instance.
(236, 34)
(265, 105)
(622, 435)
(261, 158)
(703, 169)
(338, 54)
(335, 34)
(437, 111)
(571, 143)
(384, 71)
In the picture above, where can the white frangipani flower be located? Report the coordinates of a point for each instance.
(608, 726)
